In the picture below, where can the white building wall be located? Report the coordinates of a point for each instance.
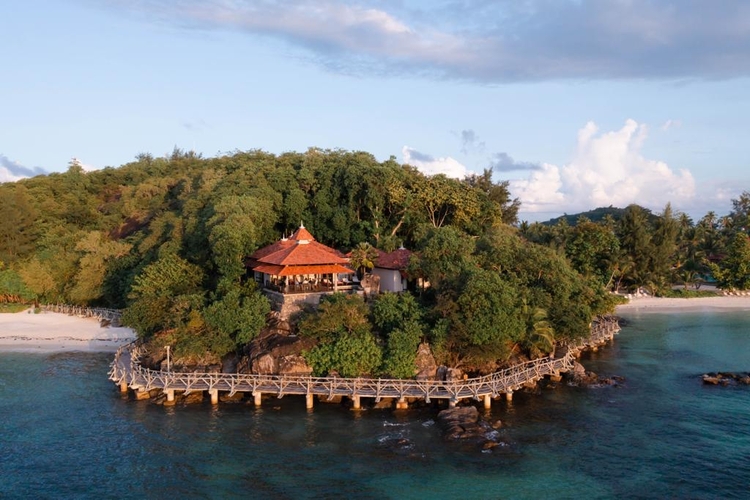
(390, 280)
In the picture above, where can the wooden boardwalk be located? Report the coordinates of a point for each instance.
(111, 315)
(128, 373)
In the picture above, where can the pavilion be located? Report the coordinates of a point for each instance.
(299, 264)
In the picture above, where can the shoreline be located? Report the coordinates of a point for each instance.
(56, 332)
(48, 332)
(664, 304)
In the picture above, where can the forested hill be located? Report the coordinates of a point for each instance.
(166, 238)
(82, 237)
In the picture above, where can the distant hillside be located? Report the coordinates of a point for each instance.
(596, 215)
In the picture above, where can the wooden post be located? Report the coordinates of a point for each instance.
(257, 398)
(487, 402)
(356, 404)
(309, 401)
(214, 393)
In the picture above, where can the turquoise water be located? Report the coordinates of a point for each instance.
(67, 433)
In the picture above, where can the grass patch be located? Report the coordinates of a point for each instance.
(12, 308)
(687, 294)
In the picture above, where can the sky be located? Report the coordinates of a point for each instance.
(577, 103)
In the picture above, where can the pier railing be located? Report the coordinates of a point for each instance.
(111, 315)
(127, 369)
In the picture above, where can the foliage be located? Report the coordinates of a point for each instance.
(733, 272)
(164, 295)
(239, 314)
(349, 355)
(481, 309)
(687, 294)
(401, 351)
(394, 310)
(12, 287)
(363, 258)
(338, 314)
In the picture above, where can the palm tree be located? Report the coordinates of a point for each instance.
(363, 258)
(540, 334)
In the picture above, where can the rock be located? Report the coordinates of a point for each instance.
(497, 424)
(236, 398)
(264, 365)
(275, 352)
(425, 363)
(294, 364)
(726, 378)
(333, 400)
(192, 398)
(383, 404)
(460, 422)
(488, 445)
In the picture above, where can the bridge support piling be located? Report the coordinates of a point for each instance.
(309, 401)
(452, 403)
(123, 387)
(509, 396)
(170, 394)
(401, 404)
(555, 377)
(356, 403)
(487, 402)
(257, 396)
(214, 393)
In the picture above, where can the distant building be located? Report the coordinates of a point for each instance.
(391, 267)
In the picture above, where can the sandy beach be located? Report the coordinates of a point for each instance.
(47, 332)
(660, 305)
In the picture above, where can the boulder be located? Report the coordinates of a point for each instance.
(294, 364)
(462, 423)
(425, 363)
(275, 352)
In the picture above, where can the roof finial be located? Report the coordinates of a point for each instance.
(301, 225)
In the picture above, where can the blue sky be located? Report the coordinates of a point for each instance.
(579, 103)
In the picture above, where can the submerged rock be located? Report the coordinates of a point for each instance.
(584, 378)
(726, 378)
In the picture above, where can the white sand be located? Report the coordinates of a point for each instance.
(47, 332)
(661, 305)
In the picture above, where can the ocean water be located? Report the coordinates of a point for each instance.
(67, 433)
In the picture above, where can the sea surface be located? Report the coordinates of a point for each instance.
(65, 432)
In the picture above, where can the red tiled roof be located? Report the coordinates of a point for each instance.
(300, 249)
(297, 270)
(398, 259)
(302, 234)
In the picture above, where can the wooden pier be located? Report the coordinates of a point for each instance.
(128, 373)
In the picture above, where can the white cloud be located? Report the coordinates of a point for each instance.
(670, 124)
(11, 171)
(84, 166)
(490, 40)
(431, 166)
(607, 169)
(7, 176)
